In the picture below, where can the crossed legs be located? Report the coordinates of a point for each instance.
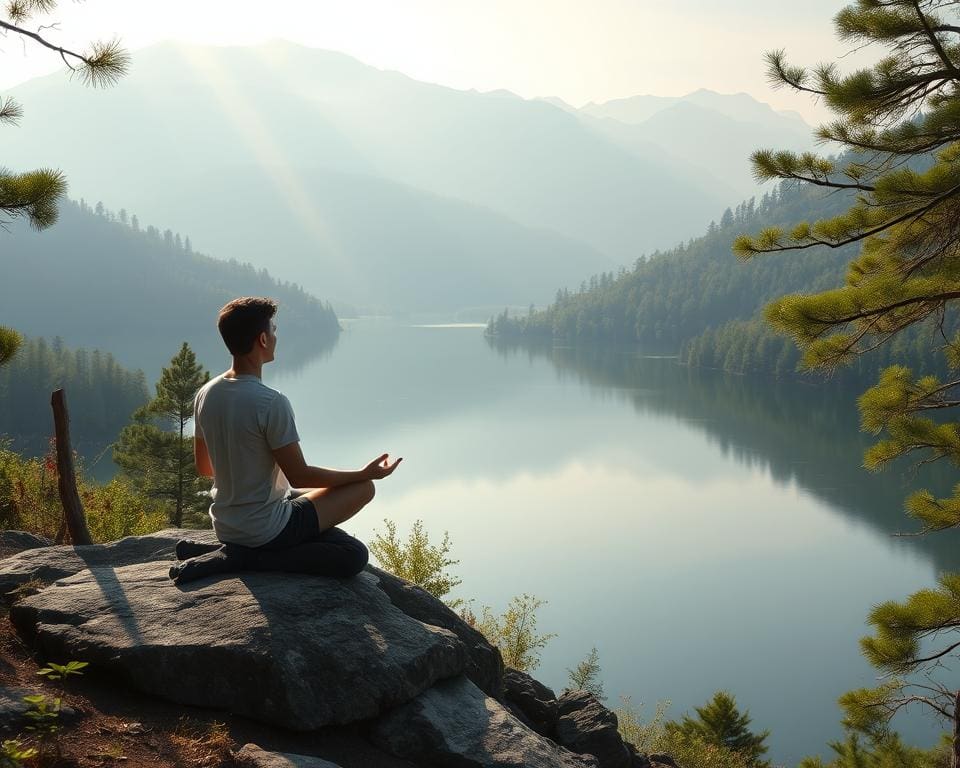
(321, 550)
(339, 504)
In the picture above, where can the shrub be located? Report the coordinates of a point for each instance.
(688, 749)
(30, 501)
(586, 675)
(515, 632)
(417, 560)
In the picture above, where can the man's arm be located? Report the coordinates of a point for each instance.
(202, 457)
(302, 475)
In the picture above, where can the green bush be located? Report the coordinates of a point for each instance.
(514, 632)
(417, 560)
(688, 749)
(30, 501)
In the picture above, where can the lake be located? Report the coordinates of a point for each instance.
(703, 531)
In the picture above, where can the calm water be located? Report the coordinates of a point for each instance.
(702, 531)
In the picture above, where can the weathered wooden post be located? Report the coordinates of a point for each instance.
(66, 479)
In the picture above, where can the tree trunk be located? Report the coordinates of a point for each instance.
(73, 514)
(180, 460)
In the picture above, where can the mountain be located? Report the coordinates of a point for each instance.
(226, 142)
(97, 282)
(632, 110)
(710, 131)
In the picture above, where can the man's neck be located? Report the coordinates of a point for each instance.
(244, 367)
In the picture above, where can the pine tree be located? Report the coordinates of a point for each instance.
(34, 195)
(586, 675)
(155, 451)
(886, 751)
(900, 122)
(10, 342)
(719, 722)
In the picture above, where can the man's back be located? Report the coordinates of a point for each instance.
(242, 421)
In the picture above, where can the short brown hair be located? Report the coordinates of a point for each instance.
(242, 320)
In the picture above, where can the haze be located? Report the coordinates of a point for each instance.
(577, 51)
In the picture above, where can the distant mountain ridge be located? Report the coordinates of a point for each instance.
(712, 131)
(514, 182)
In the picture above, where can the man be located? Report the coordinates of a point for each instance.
(246, 440)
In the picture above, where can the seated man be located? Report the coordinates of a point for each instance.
(247, 441)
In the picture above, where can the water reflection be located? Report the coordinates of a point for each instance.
(804, 434)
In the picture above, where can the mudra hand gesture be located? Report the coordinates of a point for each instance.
(380, 467)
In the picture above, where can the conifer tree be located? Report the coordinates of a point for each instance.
(886, 751)
(586, 675)
(900, 122)
(720, 723)
(10, 342)
(34, 194)
(155, 450)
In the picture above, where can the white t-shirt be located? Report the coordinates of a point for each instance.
(242, 421)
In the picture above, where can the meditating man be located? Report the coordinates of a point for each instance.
(247, 441)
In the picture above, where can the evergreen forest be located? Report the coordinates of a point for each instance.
(697, 300)
(101, 394)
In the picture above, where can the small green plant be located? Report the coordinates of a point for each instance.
(62, 671)
(13, 753)
(515, 632)
(44, 713)
(44, 717)
(417, 560)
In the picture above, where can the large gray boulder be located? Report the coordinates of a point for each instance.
(587, 727)
(484, 664)
(455, 724)
(251, 756)
(48, 564)
(536, 703)
(12, 542)
(295, 651)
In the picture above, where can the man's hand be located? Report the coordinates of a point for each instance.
(380, 467)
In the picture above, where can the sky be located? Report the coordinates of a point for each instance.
(576, 50)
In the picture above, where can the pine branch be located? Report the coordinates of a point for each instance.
(746, 247)
(106, 63)
(931, 35)
(10, 112)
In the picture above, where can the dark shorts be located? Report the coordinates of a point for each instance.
(301, 547)
(302, 527)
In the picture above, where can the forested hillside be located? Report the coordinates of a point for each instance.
(698, 300)
(99, 279)
(101, 395)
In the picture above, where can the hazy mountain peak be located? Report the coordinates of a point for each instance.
(555, 101)
(502, 93)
